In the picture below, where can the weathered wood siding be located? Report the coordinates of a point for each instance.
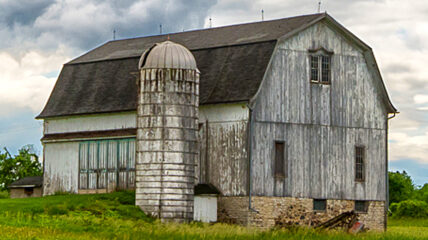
(61, 167)
(61, 157)
(91, 122)
(223, 156)
(225, 165)
(321, 124)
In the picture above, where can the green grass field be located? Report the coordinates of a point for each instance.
(114, 216)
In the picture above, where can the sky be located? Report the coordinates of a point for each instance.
(38, 36)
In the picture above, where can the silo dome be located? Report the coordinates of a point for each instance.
(167, 55)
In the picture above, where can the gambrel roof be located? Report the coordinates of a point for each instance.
(232, 61)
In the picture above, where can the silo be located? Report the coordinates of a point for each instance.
(167, 121)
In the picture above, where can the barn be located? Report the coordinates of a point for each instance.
(287, 119)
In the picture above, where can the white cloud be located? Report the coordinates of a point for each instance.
(23, 82)
(406, 146)
(420, 99)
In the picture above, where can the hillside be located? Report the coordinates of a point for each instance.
(114, 216)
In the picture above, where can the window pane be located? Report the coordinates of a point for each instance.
(325, 69)
(320, 204)
(314, 68)
(279, 159)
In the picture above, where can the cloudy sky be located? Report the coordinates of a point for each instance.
(38, 36)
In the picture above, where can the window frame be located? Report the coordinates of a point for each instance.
(365, 205)
(363, 163)
(319, 200)
(278, 174)
(320, 54)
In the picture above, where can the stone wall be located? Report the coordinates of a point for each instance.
(21, 193)
(287, 211)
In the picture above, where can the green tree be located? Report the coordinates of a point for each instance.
(422, 193)
(12, 168)
(401, 187)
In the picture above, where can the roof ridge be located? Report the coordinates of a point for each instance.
(236, 34)
(214, 28)
(194, 49)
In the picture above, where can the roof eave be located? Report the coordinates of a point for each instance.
(24, 186)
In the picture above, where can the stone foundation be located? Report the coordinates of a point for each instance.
(287, 211)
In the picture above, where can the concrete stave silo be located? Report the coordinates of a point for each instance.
(167, 122)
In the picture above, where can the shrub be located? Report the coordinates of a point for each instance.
(409, 208)
(4, 194)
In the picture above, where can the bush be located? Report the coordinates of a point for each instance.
(4, 194)
(409, 208)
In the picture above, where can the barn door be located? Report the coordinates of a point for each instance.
(126, 170)
(107, 165)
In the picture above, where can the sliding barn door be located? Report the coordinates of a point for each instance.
(107, 165)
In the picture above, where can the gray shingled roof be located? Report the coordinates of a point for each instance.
(201, 39)
(36, 181)
(232, 61)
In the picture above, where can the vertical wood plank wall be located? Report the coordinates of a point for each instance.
(321, 124)
(223, 156)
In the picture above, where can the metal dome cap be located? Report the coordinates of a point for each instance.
(167, 55)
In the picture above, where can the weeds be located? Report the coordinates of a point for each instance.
(114, 216)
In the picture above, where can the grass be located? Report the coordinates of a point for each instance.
(114, 216)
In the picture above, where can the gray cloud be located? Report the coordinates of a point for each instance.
(397, 67)
(85, 24)
(23, 12)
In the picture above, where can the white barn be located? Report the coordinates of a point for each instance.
(292, 123)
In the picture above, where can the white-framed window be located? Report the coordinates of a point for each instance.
(320, 66)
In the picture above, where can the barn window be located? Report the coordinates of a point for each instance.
(325, 69)
(320, 204)
(107, 164)
(280, 160)
(361, 206)
(314, 68)
(359, 163)
(320, 66)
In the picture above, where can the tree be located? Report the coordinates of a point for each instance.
(422, 193)
(25, 164)
(401, 187)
